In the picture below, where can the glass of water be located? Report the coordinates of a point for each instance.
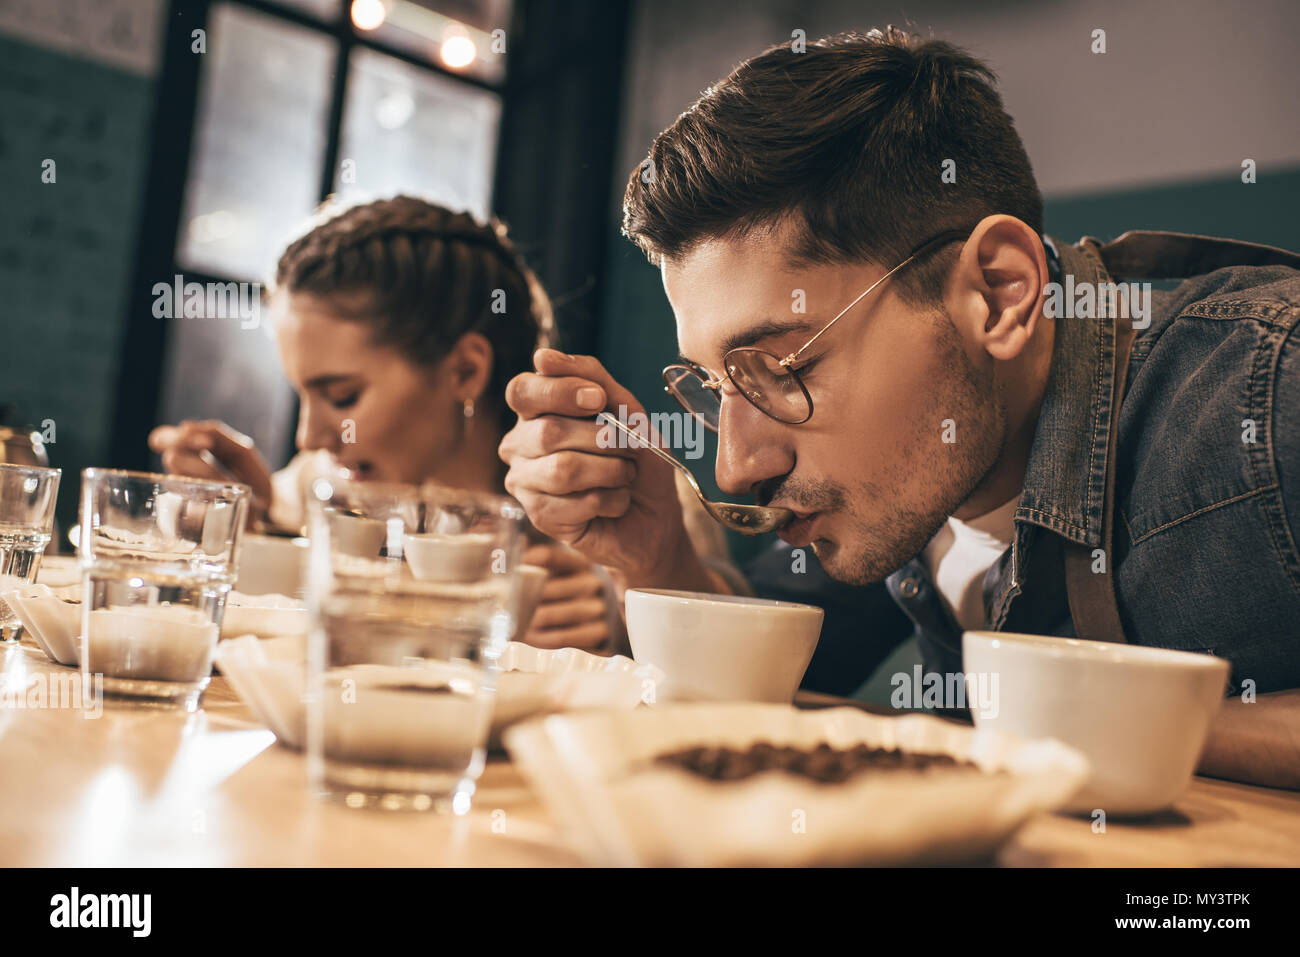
(158, 558)
(412, 592)
(27, 496)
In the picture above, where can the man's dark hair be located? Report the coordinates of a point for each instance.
(846, 142)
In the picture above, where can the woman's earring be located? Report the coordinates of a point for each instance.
(468, 409)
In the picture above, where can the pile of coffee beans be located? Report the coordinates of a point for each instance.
(823, 763)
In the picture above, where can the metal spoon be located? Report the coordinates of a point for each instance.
(745, 519)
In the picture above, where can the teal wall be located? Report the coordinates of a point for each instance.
(67, 248)
(1267, 211)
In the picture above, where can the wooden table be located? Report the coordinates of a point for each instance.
(146, 787)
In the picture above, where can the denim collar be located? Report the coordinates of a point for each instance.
(1065, 479)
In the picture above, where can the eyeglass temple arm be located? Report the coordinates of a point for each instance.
(924, 247)
(702, 375)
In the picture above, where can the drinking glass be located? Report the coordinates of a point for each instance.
(412, 592)
(158, 558)
(27, 496)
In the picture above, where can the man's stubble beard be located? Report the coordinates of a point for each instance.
(873, 548)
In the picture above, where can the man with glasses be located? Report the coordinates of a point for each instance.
(883, 349)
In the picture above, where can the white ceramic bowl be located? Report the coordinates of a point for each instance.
(270, 565)
(722, 647)
(357, 535)
(448, 558)
(1140, 715)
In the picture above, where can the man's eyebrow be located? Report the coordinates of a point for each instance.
(766, 329)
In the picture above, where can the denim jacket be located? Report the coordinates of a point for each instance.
(1207, 487)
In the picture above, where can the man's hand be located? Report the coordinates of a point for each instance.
(573, 611)
(617, 506)
(180, 447)
(1257, 742)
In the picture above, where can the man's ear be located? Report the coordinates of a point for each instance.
(470, 365)
(996, 296)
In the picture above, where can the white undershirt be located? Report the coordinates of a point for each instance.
(961, 553)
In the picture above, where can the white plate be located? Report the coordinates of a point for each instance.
(594, 774)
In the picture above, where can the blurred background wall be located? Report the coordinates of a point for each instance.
(171, 160)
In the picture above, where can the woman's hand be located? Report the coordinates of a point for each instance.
(573, 611)
(181, 446)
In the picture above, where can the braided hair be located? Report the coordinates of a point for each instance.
(425, 276)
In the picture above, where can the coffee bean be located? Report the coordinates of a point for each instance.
(822, 763)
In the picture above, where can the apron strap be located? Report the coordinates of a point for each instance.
(1093, 605)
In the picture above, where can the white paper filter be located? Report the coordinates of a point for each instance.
(270, 676)
(594, 773)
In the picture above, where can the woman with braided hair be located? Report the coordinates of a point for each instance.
(399, 324)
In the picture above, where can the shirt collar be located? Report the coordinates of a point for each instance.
(1065, 479)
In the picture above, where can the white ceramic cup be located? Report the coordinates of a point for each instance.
(1140, 715)
(448, 558)
(532, 578)
(722, 647)
(270, 565)
(357, 535)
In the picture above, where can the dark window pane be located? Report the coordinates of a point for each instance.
(227, 368)
(326, 10)
(255, 170)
